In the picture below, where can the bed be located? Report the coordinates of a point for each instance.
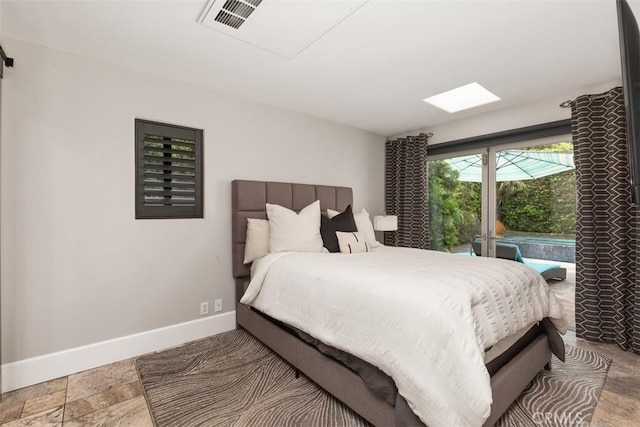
(513, 370)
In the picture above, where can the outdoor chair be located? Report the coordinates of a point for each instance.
(511, 252)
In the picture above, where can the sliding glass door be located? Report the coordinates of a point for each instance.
(535, 200)
(513, 193)
(455, 203)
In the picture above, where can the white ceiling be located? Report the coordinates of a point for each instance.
(370, 71)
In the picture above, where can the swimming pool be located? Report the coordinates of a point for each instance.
(542, 247)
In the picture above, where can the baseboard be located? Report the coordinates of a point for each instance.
(38, 369)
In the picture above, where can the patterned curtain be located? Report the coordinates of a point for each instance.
(407, 191)
(607, 288)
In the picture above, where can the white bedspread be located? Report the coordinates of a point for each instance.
(422, 317)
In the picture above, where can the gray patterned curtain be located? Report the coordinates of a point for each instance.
(407, 191)
(607, 288)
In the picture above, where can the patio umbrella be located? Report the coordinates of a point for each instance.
(514, 165)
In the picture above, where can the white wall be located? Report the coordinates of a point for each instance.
(543, 111)
(77, 268)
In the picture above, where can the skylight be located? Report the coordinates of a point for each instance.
(462, 98)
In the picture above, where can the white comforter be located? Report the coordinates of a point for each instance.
(422, 317)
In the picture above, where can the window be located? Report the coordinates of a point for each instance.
(168, 171)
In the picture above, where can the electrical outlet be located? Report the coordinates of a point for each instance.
(204, 308)
(217, 305)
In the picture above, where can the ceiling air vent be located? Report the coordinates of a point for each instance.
(283, 27)
(235, 12)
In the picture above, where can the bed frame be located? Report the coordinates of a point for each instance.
(248, 201)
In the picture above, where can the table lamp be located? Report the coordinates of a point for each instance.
(385, 222)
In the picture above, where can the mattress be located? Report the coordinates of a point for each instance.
(504, 344)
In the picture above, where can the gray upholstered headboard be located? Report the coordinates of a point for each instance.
(249, 199)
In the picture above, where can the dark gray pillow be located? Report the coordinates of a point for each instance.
(341, 222)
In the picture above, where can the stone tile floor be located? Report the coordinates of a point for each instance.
(112, 395)
(619, 404)
(109, 395)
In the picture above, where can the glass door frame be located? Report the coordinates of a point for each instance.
(488, 197)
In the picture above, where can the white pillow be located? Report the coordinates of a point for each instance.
(352, 243)
(363, 222)
(291, 232)
(257, 243)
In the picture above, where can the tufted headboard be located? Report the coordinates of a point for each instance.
(249, 199)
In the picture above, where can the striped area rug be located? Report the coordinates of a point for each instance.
(232, 379)
(565, 396)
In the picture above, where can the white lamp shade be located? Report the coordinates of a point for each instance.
(385, 222)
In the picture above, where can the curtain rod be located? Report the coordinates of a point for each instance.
(569, 103)
(427, 135)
